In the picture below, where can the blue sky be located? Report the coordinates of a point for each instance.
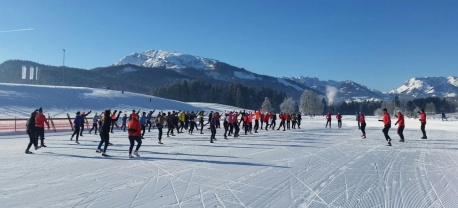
(379, 44)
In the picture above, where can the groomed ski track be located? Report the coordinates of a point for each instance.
(308, 167)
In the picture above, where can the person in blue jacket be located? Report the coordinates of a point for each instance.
(143, 123)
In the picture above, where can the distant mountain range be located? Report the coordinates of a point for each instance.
(140, 72)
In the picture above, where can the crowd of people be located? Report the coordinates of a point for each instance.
(176, 121)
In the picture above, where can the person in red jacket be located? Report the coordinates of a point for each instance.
(328, 120)
(266, 119)
(339, 120)
(362, 123)
(401, 125)
(40, 121)
(257, 116)
(387, 125)
(134, 133)
(288, 121)
(282, 121)
(423, 123)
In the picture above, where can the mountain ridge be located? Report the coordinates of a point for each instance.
(175, 66)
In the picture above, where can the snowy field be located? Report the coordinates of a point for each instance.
(308, 167)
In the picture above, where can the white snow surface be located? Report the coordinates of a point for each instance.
(242, 75)
(169, 60)
(308, 167)
(286, 83)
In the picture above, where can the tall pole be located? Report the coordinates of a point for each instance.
(63, 68)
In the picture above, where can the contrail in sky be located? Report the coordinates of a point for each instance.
(18, 30)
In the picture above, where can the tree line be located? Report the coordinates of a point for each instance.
(224, 93)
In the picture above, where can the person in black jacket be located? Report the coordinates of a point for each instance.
(170, 122)
(83, 121)
(299, 119)
(105, 132)
(31, 132)
(77, 123)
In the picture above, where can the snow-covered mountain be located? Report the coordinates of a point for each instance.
(169, 60)
(428, 86)
(197, 67)
(346, 90)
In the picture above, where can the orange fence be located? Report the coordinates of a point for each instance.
(55, 124)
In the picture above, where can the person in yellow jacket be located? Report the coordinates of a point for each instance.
(181, 119)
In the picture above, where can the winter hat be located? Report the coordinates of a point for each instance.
(40, 110)
(77, 113)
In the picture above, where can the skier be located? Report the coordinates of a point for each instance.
(288, 121)
(230, 123)
(328, 120)
(245, 123)
(401, 125)
(266, 119)
(225, 124)
(114, 119)
(299, 119)
(176, 120)
(161, 120)
(274, 121)
(282, 121)
(40, 121)
(77, 126)
(186, 120)
(30, 128)
(181, 118)
(423, 123)
(149, 122)
(124, 122)
(170, 124)
(143, 123)
(257, 115)
(235, 124)
(192, 121)
(250, 121)
(362, 122)
(387, 125)
(201, 121)
(134, 134)
(94, 123)
(443, 116)
(213, 127)
(294, 121)
(83, 121)
(339, 120)
(105, 133)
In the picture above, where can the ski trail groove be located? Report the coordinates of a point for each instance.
(138, 193)
(201, 198)
(235, 196)
(175, 193)
(219, 200)
(96, 191)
